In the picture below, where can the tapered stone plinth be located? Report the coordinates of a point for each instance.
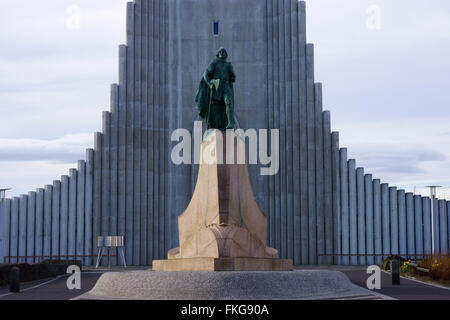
(223, 228)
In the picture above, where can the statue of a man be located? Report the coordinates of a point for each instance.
(215, 97)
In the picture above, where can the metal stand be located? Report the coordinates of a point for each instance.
(108, 243)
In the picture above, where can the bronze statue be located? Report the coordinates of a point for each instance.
(215, 97)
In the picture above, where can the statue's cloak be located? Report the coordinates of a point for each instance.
(212, 108)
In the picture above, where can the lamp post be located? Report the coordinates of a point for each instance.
(432, 196)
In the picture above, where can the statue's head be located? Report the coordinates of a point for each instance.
(222, 53)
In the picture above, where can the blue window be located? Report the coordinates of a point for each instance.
(216, 28)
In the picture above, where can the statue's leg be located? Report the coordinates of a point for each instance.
(230, 110)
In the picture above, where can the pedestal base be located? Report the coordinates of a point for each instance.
(222, 264)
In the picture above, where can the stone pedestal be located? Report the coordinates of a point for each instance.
(223, 228)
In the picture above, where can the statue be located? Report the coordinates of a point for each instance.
(215, 97)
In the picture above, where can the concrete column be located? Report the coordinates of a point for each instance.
(353, 213)
(151, 135)
(377, 221)
(64, 219)
(426, 204)
(328, 185)
(39, 230)
(443, 229)
(137, 127)
(320, 183)
(393, 209)
(48, 220)
(89, 187)
(97, 205)
(71, 246)
(312, 205)
(156, 130)
(369, 226)
(144, 133)
(163, 114)
(106, 174)
(129, 134)
(345, 218)
(81, 185)
(23, 208)
(336, 197)
(14, 239)
(288, 228)
(401, 198)
(56, 207)
(410, 227)
(304, 211)
(6, 228)
(418, 217)
(282, 108)
(114, 163)
(31, 225)
(122, 141)
(361, 215)
(436, 225)
(385, 219)
(296, 222)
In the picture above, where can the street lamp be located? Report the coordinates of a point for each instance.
(432, 195)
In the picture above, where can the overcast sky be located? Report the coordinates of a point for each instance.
(384, 66)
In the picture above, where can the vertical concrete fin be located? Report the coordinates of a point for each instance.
(39, 230)
(56, 214)
(369, 205)
(296, 219)
(289, 223)
(81, 184)
(353, 220)
(328, 185)
(72, 221)
(114, 162)
(344, 200)
(304, 205)
(64, 216)
(336, 197)
(23, 207)
(418, 220)
(6, 205)
(311, 125)
(48, 220)
(97, 198)
(410, 226)
(320, 183)
(106, 174)
(361, 215)
(426, 205)
(393, 209)
(89, 249)
(31, 226)
(443, 228)
(385, 218)
(14, 240)
(377, 220)
(401, 199)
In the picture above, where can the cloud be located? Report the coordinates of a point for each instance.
(67, 149)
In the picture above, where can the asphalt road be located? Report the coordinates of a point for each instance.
(56, 289)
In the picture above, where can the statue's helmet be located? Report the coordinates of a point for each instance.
(222, 53)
